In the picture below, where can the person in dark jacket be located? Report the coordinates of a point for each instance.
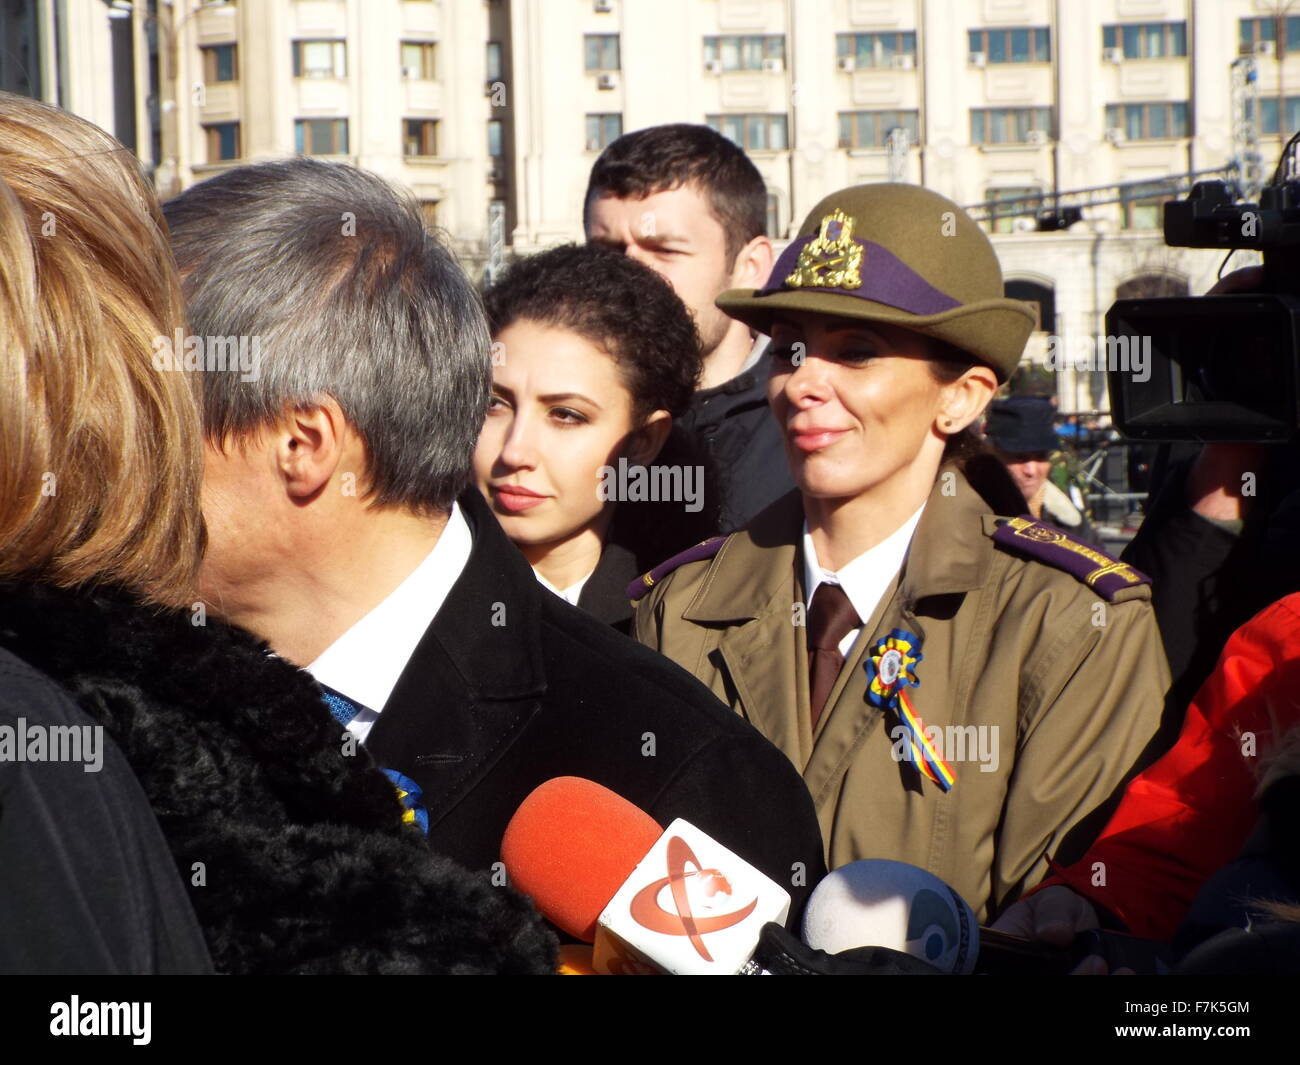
(293, 847)
(69, 903)
(594, 360)
(346, 531)
(687, 202)
(1219, 540)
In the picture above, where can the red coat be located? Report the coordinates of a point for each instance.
(1189, 814)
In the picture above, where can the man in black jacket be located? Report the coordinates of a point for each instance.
(688, 203)
(342, 532)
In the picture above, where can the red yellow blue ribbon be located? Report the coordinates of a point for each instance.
(924, 755)
(891, 669)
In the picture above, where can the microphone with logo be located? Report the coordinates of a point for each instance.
(878, 902)
(882, 903)
(652, 900)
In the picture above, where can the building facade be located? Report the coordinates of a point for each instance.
(1062, 124)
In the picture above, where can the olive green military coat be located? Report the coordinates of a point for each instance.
(1064, 690)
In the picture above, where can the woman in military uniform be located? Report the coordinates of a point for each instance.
(962, 691)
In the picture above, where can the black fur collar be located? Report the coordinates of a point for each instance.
(290, 842)
(118, 658)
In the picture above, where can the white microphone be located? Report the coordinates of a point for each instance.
(881, 903)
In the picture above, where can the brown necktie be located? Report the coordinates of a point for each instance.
(830, 619)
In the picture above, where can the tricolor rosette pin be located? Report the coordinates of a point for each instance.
(410, 793)
(891, 670)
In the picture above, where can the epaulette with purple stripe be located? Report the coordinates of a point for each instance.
(701, 551)
(1104, 575)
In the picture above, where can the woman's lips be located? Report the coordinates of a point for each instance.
(516, 499)
(815, 439)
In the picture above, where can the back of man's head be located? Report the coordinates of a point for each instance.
(659, 158)
(347, 295)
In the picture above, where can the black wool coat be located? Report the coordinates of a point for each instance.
(293, 849)
(511, 686)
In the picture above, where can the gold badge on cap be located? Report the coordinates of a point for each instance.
(832, 259)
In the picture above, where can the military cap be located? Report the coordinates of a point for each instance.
(898, 254)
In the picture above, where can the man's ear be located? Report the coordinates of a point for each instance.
(645, 442)
(309, 447)
(753, 264)
(965, 399)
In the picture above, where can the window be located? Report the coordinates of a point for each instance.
(223, 141)
(1149, 121)
(494, 67)
(1042, 298)
(321, 136)
(429, 213)
(754, 133)
(420, 136)
(773, 215)
(1008, 125)
(744, 53)
(1142, 203)
(1257, 31)
(1268, 115)
(496, 138)
(419, 60)
(1019, 200)
(870, 129)
(601, 51)
(875, 49)
(219, 63)
(1025, 45)
(1147, 40)
(602, 130)
(319, 59)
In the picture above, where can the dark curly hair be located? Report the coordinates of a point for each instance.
(616, 303)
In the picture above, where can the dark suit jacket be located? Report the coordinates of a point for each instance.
(604, 596)
(511, 686)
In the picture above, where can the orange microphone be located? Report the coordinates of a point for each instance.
(651, 900)
(571, 845)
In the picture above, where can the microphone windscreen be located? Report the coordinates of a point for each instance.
(875, 902)
(571, 845)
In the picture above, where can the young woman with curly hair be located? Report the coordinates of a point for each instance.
(594, 359)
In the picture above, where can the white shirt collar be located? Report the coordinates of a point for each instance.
(570, 594)
(865, 578)
(366, 661)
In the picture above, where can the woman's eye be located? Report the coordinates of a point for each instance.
(496, 403)
(856, 355)
(791, 353)
(568, 417)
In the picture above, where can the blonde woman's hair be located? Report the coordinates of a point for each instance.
(100, 453)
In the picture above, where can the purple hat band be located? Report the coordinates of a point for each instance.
(885, 279)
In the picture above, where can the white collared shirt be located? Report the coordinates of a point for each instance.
(570, 594)
(865, 578)
(365, 662)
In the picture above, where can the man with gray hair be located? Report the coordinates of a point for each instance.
(344, 530)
